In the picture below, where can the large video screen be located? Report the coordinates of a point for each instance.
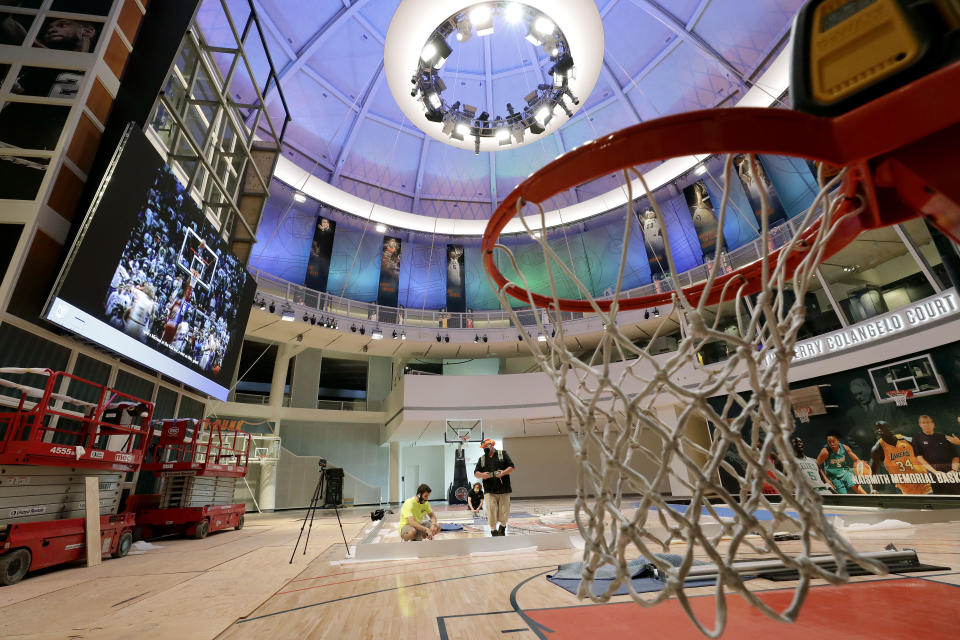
(149, 277)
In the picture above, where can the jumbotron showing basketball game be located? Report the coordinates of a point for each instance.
(171, 289)
(159, 284)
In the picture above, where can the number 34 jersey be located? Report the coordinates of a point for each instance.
(899, 459)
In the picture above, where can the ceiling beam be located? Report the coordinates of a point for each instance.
(317, 39)
(272, 27)
(418, 185)
(488, 65)
(618, 91)
(678, 27)
(355, 125)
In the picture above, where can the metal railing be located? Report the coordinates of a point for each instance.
(328, 405)
(345, 310)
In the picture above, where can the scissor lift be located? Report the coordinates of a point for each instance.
(53, 437)
(198, 464)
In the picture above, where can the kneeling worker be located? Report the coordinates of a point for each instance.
(412, 516)
(494, 468)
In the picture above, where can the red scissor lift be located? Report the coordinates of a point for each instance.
(52, 438)
(198, 464)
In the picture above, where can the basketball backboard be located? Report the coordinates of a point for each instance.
(917, 375)
(457, 428)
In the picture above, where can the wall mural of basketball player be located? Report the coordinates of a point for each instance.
(854, 407)
(704, 218)
(456, 283)
(171, 288)
(321, 250)
(388, 293)
(654, 239)
(754, 181)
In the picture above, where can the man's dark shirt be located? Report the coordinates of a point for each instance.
(487, 464)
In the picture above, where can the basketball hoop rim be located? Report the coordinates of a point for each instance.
(854, 140)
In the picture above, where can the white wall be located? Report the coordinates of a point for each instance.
(546, 466)
(429, 462)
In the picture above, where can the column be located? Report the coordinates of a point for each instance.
(267, 493)
(396, 469)
(678, 472)
(306, 379)
(379, 381)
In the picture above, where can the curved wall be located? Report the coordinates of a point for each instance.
(592, 248)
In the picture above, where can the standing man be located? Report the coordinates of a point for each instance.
(494, 468)
(412, 516)
(937, 453)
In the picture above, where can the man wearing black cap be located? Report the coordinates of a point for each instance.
(494, 468)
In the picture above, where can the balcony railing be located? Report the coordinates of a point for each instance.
(347, 310)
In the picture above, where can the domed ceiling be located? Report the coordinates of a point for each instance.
(660, 58)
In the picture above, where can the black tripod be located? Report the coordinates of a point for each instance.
(312, 511)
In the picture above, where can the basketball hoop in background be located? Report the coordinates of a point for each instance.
(900, 396)
(465, 438)
(894, 156)
(802, 414)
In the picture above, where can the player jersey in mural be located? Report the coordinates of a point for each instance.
(837, 463)
(811, 471)
(899, 459)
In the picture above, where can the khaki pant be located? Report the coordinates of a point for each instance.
(498, 508)
(418, 535)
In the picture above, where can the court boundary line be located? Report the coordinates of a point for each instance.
(534, 627)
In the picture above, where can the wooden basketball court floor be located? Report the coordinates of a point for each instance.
(240, 584)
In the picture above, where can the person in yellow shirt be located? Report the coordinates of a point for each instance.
(412, 514)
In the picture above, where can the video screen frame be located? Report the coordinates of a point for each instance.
(161, 287)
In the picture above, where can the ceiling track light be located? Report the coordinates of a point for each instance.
(484, 338)
(299, 197)
(446, 338)
(656, 312)
(403, 335)
(394, 335)
(363, 330)
(439, 338)
(353, 328)
(476, 338)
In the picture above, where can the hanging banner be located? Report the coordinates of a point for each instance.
(754, 179)
(318, 266)
(456, 285)
(387, 294)
(653, 238)
(704, 217)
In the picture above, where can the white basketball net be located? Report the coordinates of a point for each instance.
(624, 405)
(900, 399)
(802, 414)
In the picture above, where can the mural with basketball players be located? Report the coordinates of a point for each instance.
(173, 288)
(859, 440)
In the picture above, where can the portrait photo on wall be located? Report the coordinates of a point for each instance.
(21, 176)
(46, 82)
(863, 442)
(321, 250)
(14, 26)
(174, 289)
(653, 239)
(68, 34)
(27, 125)
(95, 7)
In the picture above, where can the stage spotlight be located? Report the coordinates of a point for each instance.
(514, 12)
(656, 312)
(381, 228)
(541, 337)
(503, 135)
(313, 319)
(353, 328)
(394, 336)
(377, 334)
(543, 115)
(363, 330)
(306, 318)
(484, 338)
(482, 19)
(436, 52)
(287, 315)
(299, 197)
(434, 100)
(543, 26)
(263, 305)
(476, 338)
(439, 339)
(403, 335)
(646, 314)
(462, 129)
(273, 307)
(519, 338)
(446, 338)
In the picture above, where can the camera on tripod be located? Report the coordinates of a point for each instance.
(322, 463)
